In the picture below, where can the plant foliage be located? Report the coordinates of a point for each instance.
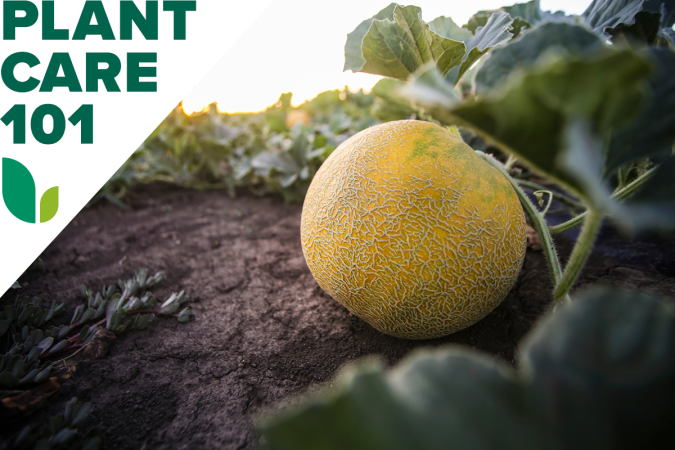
(30, 344)
(61, 432)
(560, 83)
(586, 101)
(277, 151)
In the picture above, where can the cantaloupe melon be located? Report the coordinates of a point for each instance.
(412, 231)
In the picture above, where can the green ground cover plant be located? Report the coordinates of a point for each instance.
(31, 343)
(62, 431)
(33, 348)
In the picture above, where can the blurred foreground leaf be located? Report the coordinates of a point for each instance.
(598, 374)
(652, 132)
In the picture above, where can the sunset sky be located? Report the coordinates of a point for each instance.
(298, 46)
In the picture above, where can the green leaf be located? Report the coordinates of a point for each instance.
(18, 190)
(446, 27)
(602, 15)
(35, 336)
(529, 115)
(529, 12)
(63, 331)
(49, 204)
(665, 8)
(82, 414)
(389, 103)
(34, 353)
(64, 436)
(603, 371)
(644, 30)
(29, 376)
(88, 314)
(114, 320)
(268, 162)
(27, 312)
(669, 35)
(17, 369)
(522, 53)
(431, 90)
(10, 312)
(77, 314)
(495, 32)
(83, 334)
(525, 15)
(532, 14)
(7, 379)
(399, 43)
(653, 206)
(439, 399)
(354, 60)
(598, 374)
(477, 20)
(58, 347)
(652, 132)
(4, 326)
(581, 158)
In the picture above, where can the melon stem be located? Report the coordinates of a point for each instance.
(580, 254)
(620, 195)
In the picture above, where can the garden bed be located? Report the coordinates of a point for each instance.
(264, 328)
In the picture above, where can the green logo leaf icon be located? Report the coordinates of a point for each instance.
(49, 204)
(18, 192)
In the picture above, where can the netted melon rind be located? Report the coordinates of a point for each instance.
(411, 231)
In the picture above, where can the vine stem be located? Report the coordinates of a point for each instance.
(620, 195)
(580, 254)
(556, 195)
(536, 220)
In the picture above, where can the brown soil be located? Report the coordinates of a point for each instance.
(264, 328)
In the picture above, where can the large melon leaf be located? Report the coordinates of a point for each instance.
(652, 132)
(354, 60)
(446, 27)
(523, 53)
(665, 7)
(525, 15)
(603, 371)
(529, 116)
(396, 42)
(602, 15)
(654, 204)
(495, 32)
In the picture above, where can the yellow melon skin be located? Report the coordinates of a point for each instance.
(412, 231)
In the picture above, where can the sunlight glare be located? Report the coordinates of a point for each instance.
(298, 46)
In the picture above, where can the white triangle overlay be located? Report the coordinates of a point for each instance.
(121, 120)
